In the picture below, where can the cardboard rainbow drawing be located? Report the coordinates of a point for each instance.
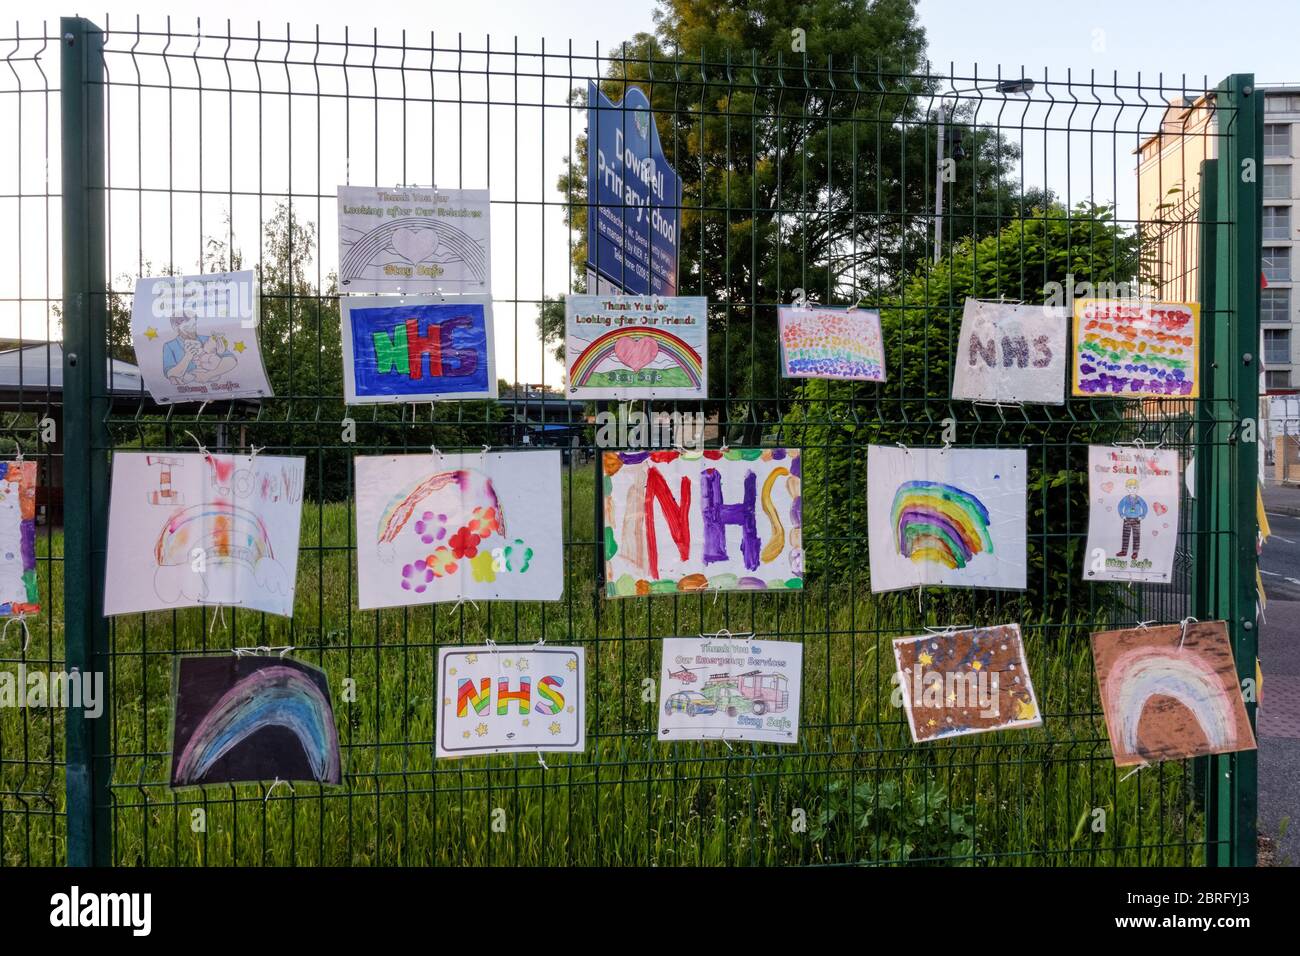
(1170, 692)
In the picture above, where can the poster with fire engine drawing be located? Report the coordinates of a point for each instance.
(731, 686)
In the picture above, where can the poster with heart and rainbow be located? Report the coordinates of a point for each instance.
(625, 346)
(953, 517)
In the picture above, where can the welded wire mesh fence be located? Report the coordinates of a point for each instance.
(221, 148)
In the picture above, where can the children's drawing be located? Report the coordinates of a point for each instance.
(636, 346)
(696, 521)
(1170, 692)
(18, 592)
(730, 686)
(965, 682)
(954, 517)
(1011, 353)
(1132, 514)
(418, 348)
(412, 240)
(501, 699)
(250, 719)
(433, 528)
(191, 529)
(195, 337)
(1132, 348)
(819, 342)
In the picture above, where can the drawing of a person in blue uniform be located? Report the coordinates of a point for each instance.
(1132, 509)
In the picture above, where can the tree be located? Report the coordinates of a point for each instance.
(834, 421)
(808, 170)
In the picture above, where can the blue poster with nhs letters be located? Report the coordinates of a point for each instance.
(417, 348)
(634, 217)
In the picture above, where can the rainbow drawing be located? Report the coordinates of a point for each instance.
(276, 695)
(470, 485)
(225, 532)
(1188, 677)
(604, 346)
(933, 521)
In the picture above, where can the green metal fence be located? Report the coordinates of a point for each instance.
(182, 149)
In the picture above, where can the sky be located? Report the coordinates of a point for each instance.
(161, 148)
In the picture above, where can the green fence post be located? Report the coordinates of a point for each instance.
(1234, 381)
(85, 361)
(1205, 492)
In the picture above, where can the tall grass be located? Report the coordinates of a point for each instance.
(855, 789)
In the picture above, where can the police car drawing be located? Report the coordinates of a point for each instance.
(1132, 509)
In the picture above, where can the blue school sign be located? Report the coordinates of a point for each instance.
(635, 196)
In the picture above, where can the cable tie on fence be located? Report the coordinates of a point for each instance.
(948, 629)
(541, 761)
(255, 450)
(275, 784)
(541, 641)
(1183, 636)
(1142, 766)
(221, 615)
(486, 449)
(18, 445)
(717, 592)
(463, 600)
(203, 449)
(202, 405)
(856, 305)
(1143, 625)
(21, 621)
(262, 649)
(433, 450)
(724, 739)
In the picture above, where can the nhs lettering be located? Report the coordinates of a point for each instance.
(417, 348)
(700, 521)
(501, 698)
